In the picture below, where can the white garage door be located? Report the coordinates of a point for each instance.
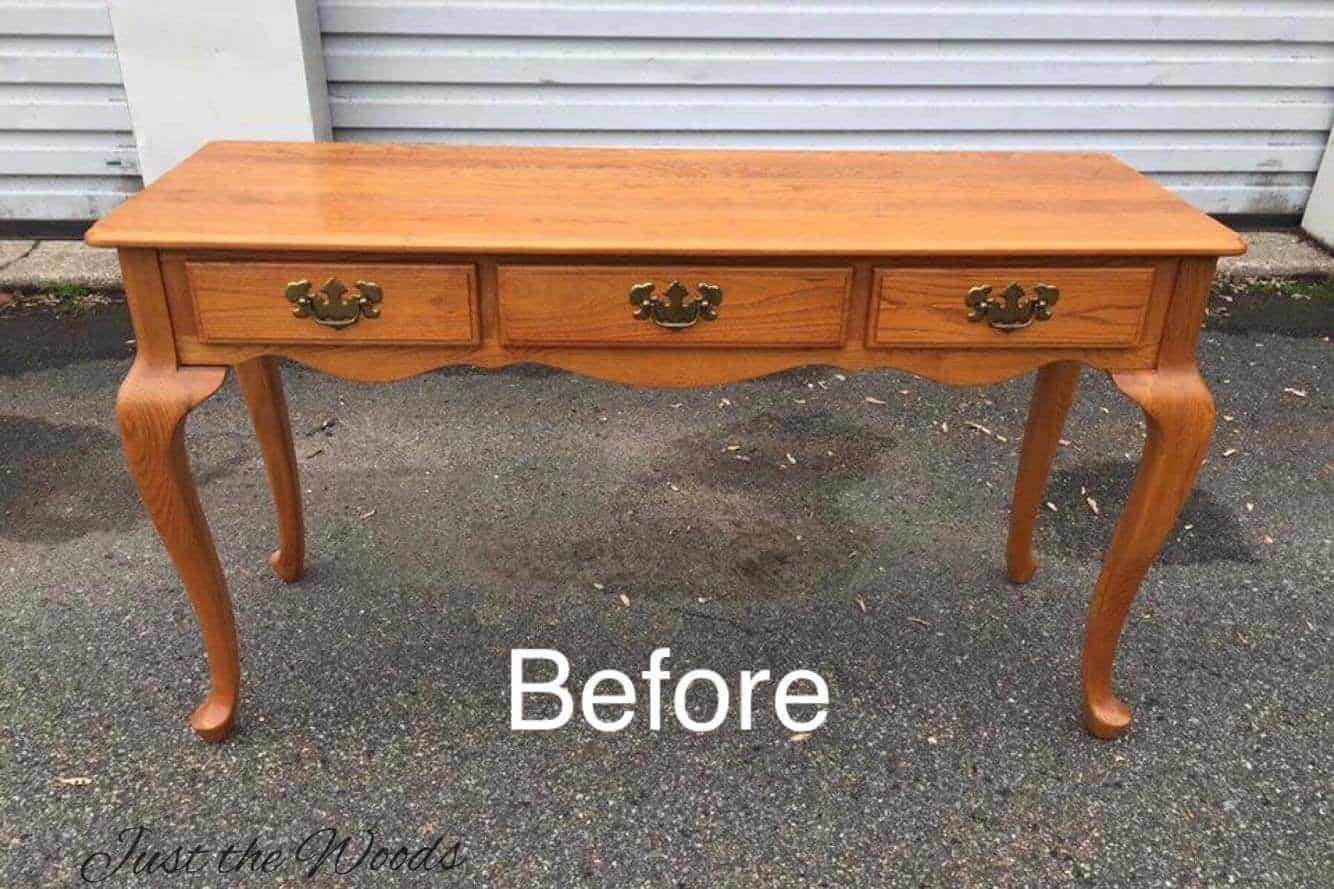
(1227, 103)
(66, 149)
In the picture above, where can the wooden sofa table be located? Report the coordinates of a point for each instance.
(661, 268)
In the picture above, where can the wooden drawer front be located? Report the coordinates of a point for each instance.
(1099, 307)
(247, 302)
(590, 306)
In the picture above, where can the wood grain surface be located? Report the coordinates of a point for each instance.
(265, 401)
(1053, 392)
(1179, 417)
(1179, 420)
(668, 365)
(245, 302)
(439, 199)
(925, 306)
(589, 305)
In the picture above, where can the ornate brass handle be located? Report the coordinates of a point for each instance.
(1011, 312)
(674, 312)
(329, 308)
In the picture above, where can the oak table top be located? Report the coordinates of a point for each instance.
(551, 201)
(656, 267)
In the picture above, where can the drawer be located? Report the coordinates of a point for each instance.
(1093, 307)
(266, 302)
(672, 306)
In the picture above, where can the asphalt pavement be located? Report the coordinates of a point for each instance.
(849, 524)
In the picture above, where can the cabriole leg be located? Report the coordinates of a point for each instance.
(1053, 391)
(262, 387)
(1179, 414)
(151, 409)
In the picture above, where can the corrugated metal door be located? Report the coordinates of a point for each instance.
(1227, 103)
(66, 148)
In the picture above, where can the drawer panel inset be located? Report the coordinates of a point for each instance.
(1009, 307)
(672, 306)
(333, 302)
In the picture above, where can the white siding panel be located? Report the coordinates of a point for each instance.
(1162, 152)
(1287, 20)
(425, 59)
(67, 197)
(1279, 193)
(46, 106)
(750, 108)
(1228, 103)
(66, 150)
(58, 60)
(47, 17)
(67, 154)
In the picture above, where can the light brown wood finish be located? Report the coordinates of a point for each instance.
(575, 305)
(262, 387)
(273, 197)
(1179, 416)
(1098, 307)
(151, 411)
(676, 365)
(1053, 391)
(245, 302)
(151, 408)
(556, 237)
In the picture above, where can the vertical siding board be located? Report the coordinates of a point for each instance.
(1228, 102)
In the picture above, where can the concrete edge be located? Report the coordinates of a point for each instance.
(39, 265)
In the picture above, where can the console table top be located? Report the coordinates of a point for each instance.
(554, 201)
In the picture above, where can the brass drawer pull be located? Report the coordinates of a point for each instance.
(1008, 313)
(329, 308)
(674, 313)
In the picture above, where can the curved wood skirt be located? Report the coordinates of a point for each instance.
(575, 315)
